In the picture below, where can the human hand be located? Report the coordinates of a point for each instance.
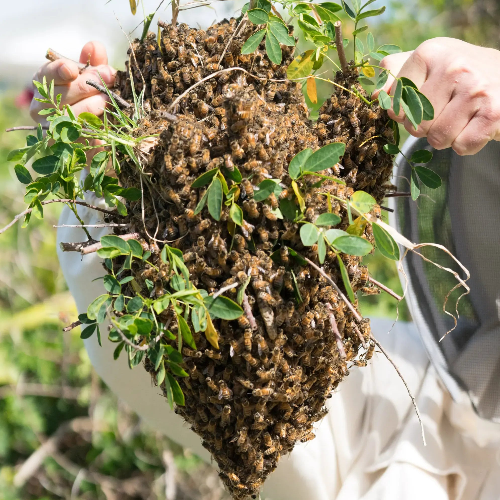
(72, 85)
(461, 81)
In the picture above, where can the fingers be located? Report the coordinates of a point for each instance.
(95, 52)
(94, 105)
(482, 128)
(61, 72)
(393, 63)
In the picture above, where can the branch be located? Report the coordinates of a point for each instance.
(248, 312)
(167, 116)
(377, 343)
(92, 225)
(26, 127)
(86, 247)
(127, 341)
(240, 25)
(342, 296)
(339, 42)
(398, 195)
(52, 55)
(336, 333)
(224, 289)
(119, 100)
(73, 325)
(82, 203)
(384, 288)
(360, 335)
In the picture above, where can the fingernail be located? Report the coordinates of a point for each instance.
(65, 73)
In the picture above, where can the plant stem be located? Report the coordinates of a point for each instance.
(119, 100)
(72, 206)
(91, 225)
(385, 289)
(84, 248)
(73, 325)
(336, 333)
(339, 41)
(52, 55)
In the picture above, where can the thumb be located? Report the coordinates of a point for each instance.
(95, 53)
(393, 63)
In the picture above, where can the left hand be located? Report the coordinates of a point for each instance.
(461, 81)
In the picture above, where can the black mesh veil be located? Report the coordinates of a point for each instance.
(464, 216)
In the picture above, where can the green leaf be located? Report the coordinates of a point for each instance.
(234, 175)
(88, 332)
(385, 243)
(37, 208)
(186, 332)
(357, 32)
(409, 115)
(205, 178)
(325, 157)
(428, 177)
(258, 16)
(223, 308)
(298, 162)
(327, 219)
(131, 194)
(161, 304)
(201, 203)
(332, 234)
(421, 156)
(391, 149)
(111, 284)
(309, 234)
(266, 188)
(101, 314)
(215, 196)
(119, 304)
(353, 245)
(376, 56)
(362, 202)
(348, 10)
(144, 326)
(96, 304)
(365, 81)
(91, 120)
(345, 279)
(173, 354)
(46, 165)
(389, 49)
(134, 305)
(412, 100)
(176, 369)
(118, 350)
(264, 5)
(112, 241)
(370, 42)
(288, 209)
(69, 134)
(253, 42)
(281, 33)
(108, 253)
(384, 100)
(427, 106)
(23, 174)
(326, 14)
(17, 154)
(382, 79)
(301, 66)
(414, 185)
(359, 47)
(176, 390)
(273, 48)
(236, 214)
(321, 249)
(160, 375)
(241, 291)
(397, 98)
(370, 13)
(135, 248)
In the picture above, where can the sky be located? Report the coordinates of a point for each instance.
(29, 27)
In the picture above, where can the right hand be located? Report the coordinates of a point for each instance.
(72, 85)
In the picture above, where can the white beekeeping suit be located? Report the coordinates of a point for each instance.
(369, 445)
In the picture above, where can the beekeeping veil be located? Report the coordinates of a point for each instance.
(464, 216)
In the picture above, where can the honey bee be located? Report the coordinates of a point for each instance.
(226, 412)
(239, 243)
(308, 437)
(245, 383)
(205, 155)
(259, 464)
(242, 436)
(212, 425)
(202, 226)
(211, 385)
(264, 375)
(190, 353)
(370, 352)
(224, 391)
(267, 299)
(202, 414)
(212, 354)
(247, 336)
(262, 347)
(250, 359)
(247, 188)
(280, 429)
(295, 377)
(268, 213)
(250, 207)
(247, 408)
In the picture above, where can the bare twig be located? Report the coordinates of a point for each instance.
(248, 312)
(385, 289)
(360, 335)
(131, 344)
(119, 100)
(26, 127)
(86, 247)
(339, 42)
(387, 209)
(224, 289)
(167, 116)
(73, 325)
(398, 195)
(82, 203)
(342, 296)
(92, 225)
(52, 55)
(382, 350)
(335, 330)
(241, 24)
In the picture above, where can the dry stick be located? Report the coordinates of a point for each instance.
(241, 24)
(82, 203)
(26, 127)
(119, 100)
(382, 350)
(248, 312)
(339, 41)
(167, 116)
(131, 344)
(224, 289)
(336, 333)
(342, 296)
(92, 225)
(73, 325)
(398, 195)
(52, 55)
(213, 75)
(385, 289)
(360, 335)
(85, 248)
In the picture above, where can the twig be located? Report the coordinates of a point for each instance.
(86, 247)
(248, 312)
(224, 289)
(92, 225)
(82, 203)
(73, 325)
(398, 195)
(339, 42)
(385, 289)
(336, 333)
(387, 209)
(168, 116)
(360, 335)
(382, 350)
(26, 127)
(119, 100)
(213, 75)
(52, 55)
(131, 344)
(242, 23)
(342, 296)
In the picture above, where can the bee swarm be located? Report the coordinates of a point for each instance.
(256, 397)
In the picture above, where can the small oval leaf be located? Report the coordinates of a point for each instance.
(327, 220)
(215, 195)
(353, 245)
(428, 177)
(309, 234)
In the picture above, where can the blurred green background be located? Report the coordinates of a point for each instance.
(62, 433)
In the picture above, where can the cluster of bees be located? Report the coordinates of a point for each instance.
(260, 394)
